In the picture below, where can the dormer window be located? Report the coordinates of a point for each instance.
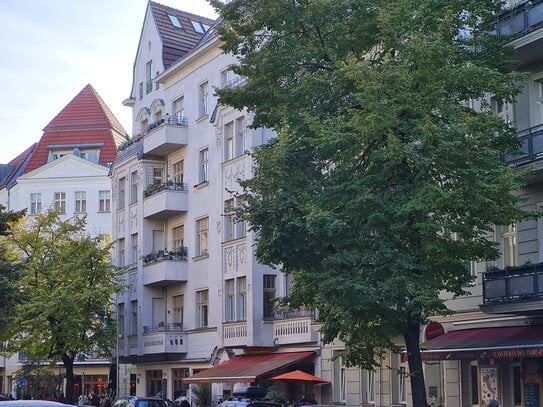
(175, 21)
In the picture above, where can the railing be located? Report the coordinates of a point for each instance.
(161, 255)
(164, 328)
(532, 145)
(516, 284)
(294, 314)
(168, 186)
(521, 19)
(176, 121)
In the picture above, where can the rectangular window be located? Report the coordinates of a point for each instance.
(241, 131)
(203, 95)
(134, 187)
(370, 386)
(179, 110)
(157, 85)
(134, 259)
(242, 298)
(202, 226)
(204, 166)
(510, 246)
(120, 252)
(474, 384)
(516, 385)
(177, 169)
(342, 380)
(120, 319)
(179, 387)
(154, 383)
(202, 304)
(141, 90)
(35, 203)
(229, 218)
(402, 376)
(178, 233)
(226, 77)
(229, 301)
(148, 77)
(178, 305)
(240, 223)
(269, 295)
(157, 175)
(60, 202)
(80, 202)
(122, 190)
(104, 201)
(133, 318)
(229, 141)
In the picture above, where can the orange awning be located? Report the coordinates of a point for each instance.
(246, 368)
(299, 377)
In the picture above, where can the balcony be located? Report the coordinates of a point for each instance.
(165, 268)
(165, 135)
(234, 334)
(160, 201)
(294, 327)
(515, 290)
(531, 149)
(164, 339)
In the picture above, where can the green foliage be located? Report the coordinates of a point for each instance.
(202, 393)
(383, 182)
(67, 282)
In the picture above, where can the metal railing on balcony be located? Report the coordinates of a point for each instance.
(162, 255)
(173, 121)
(167, 186)
(294, 314)
(516, 284)
(175, 327)
(531, 148)
(521, 19)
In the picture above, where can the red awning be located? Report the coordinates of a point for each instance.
(486, 343)
(298, 376)
(246, 368)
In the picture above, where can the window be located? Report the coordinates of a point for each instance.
(402, 376)
(134, 259)
(179, 387)
(133, 317)
(269, 295)
(80, 201)
(340, 379)
(509, 246)
(148, 77)
(35, 203)
(516, 385)
(199, 27)
(178, 237)
(179, 110)
(227, 77)
(177, 169)
(370, 386)
(203, 92)
(229, 141)
(242, 298)
(120, 252)
(202, 304)
(157, 85)
(178, 305)
(204, 166)
(154, 384)
(120, 319)
(474, 383)
(229, 218)
(241, 131)
(104, 201)
(202, 226)
(175, 21)
(60, 202)
(141, 90)
(157, 175)
(122, 189)
(134, 187)
(229, 301)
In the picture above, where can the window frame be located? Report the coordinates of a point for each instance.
(80, 202)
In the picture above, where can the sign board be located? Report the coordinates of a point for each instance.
(531, 395)
(22, 382)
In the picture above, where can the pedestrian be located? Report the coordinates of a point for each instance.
(493, 403)
(184, 402)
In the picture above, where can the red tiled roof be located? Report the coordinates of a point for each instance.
(176, 42)
(16, 165)
(85, 120)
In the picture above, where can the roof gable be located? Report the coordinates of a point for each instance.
(68, 166)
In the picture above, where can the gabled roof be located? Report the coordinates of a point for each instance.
(86, 120)
(176, 42)
(11, 170)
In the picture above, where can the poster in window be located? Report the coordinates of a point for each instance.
(488, 376)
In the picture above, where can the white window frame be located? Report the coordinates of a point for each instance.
(179, 110)
(203, 95)
(509, 245)
(122, 193)
(229, 300)
(80, 200)
(134, 181)
(35, 203)
(202, 236)
(60, 202)
(202, 308)
(241, 300)
(203, 165)
(269, 294)
(104, 201)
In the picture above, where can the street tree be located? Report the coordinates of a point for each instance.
(386, 176)
(8, 273)
(67, 282)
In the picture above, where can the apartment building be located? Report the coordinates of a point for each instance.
(199, 308)
(67, 170)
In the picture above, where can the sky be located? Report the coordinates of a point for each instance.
(51, 49)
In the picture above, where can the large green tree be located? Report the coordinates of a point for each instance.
(386, 175)
(67, 282)
(8, 273)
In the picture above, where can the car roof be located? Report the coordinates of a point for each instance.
(31, 403)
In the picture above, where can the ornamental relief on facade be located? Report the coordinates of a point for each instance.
(120, 223)
(133, 219)
(234, 258)
(235, 172)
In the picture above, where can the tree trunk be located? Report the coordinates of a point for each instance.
(69, 367)
(416, 373)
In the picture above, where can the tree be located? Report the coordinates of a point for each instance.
(8, 274)
(67, 283)
(386, 175)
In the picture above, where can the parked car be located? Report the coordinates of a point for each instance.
(140, 402)
(30, 403)
(251, 396)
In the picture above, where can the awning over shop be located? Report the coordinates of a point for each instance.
(246, 368)
(486, 343)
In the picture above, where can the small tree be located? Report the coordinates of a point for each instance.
(202, 394)
(67, 282)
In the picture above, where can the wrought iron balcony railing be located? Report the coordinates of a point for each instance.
(521, 19)
(513, 285)
(531, 148)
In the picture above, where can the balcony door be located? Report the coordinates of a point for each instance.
(159, 314)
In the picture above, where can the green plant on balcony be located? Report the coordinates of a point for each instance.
(153, 189)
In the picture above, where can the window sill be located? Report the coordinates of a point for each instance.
(201, 257)
(104, 212)
(80, 213)
(201, 184)
(202, 118)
